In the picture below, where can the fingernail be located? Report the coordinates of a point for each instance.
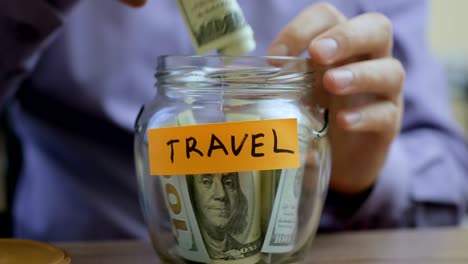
(342, 78)
(278, 50)
(353, 118)
(326, 47)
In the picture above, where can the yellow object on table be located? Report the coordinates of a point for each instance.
(18, 251)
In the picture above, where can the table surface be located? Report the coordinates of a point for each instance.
(442, 245)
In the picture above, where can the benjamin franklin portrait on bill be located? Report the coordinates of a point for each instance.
(221, 210)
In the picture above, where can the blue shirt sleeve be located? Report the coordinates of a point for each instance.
(425, 178)
(25, 27)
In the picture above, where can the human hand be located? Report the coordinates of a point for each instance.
(363, 87)
(134, 3)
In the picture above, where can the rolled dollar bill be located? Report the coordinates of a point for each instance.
(268, 190)
(215, 216)
(217, 25)
(282, 229)
(189, 241)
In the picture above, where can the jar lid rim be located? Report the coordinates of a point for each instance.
(227, 57)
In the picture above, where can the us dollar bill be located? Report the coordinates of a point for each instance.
(188, 238)
(282, 228)
(220, 213)
(189, 241)
(227, 210)
(217, 25)
(270, 180)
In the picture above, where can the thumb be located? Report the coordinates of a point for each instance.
(134, 3)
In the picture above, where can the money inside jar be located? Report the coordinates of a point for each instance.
(231, 166)
(234, 215)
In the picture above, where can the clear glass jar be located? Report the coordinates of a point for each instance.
(232, 159)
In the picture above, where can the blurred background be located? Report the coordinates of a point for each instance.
(447, 37)
(449, 41)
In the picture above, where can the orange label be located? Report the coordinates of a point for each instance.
(224, 147)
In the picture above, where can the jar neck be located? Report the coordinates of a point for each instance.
(236, 77)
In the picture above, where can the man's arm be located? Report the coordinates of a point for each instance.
(425, 178)
(25, 28)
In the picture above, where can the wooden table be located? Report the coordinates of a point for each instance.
(403, 246)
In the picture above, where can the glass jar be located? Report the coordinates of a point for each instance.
(232, 159)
